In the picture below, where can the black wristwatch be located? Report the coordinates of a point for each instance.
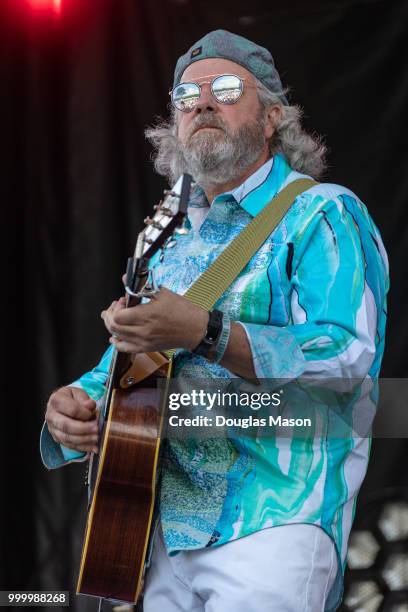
(212, 334)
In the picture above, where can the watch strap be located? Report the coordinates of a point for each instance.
(214, 329)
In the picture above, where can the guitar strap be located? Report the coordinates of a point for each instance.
(214, 281)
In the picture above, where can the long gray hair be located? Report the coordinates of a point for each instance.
(304, 152)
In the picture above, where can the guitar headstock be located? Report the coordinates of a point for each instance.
(169, 215)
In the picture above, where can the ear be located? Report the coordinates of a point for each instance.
(273, 116)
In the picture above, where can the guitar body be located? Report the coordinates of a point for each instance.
(123, 479)
(123, 483)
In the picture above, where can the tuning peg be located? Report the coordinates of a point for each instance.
(153, 223)
(167, 212)
(169, 192)
(170, 243)
(182, 231)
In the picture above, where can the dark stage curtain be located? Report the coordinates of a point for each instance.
(77, 92)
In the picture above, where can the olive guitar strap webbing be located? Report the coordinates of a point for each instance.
(214, 281)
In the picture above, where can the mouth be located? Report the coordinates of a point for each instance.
(205, 127)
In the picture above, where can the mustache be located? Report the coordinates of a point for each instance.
(206, 120)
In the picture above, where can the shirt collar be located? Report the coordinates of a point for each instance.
(256, 191)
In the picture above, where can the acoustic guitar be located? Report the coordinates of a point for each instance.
(123, 478)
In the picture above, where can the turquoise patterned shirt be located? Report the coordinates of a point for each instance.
(312, 302)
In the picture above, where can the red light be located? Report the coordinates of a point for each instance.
(45, 5)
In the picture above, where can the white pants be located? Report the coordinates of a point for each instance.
(281, 569)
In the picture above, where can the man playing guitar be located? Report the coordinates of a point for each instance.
(259, 525)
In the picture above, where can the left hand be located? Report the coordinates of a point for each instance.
(168, 321)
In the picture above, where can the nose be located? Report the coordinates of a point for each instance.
(206, 102)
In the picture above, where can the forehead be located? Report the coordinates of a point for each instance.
(214, 66)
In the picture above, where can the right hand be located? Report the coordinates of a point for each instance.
(71, 417)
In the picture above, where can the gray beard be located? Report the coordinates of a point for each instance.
(212, 157)
(215, 157)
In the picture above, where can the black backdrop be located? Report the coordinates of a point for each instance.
(76, 93)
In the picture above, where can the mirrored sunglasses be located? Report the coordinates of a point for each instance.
(226, 88)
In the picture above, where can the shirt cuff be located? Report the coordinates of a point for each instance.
(275, 352)
(51, 452)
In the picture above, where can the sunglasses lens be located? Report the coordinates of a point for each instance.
(227, 88)
(185, 96)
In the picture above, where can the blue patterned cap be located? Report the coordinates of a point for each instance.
(238, 49)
